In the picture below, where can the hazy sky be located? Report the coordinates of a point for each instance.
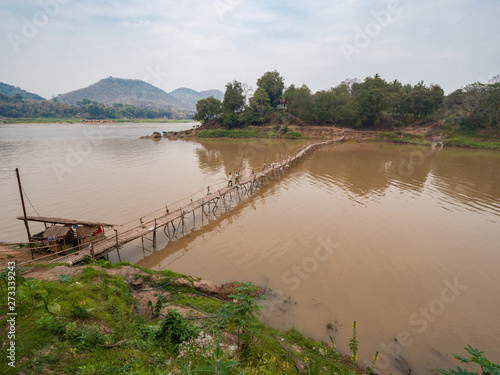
(53, 46)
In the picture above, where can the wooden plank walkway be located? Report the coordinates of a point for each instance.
(103, 246)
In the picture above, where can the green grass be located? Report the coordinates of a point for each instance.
(400, 137)
(248, 133)
(231, 133)
(97, 308)
(461, 141)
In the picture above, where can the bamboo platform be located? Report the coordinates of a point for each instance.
(214, 201)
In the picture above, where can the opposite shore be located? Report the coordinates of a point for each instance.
(425, 135)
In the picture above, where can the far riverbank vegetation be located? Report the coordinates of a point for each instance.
(467, 117)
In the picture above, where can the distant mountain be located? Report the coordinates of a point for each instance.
(189, 97)
(125, 91)
(10, 90)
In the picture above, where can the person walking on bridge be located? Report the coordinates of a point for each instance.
(230, 180)
(237, 177)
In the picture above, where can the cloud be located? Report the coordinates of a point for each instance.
(202, 47)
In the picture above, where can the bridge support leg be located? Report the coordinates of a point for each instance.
(142, 237)
(154, 237)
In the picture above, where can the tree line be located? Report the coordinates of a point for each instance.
(16, 107)
(371, 103)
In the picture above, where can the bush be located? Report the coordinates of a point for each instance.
(85, 336)
(294, 135)
(487, 367)
(176, 329)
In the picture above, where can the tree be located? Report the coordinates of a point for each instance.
(481, 104)
(273, 84)
(422, 100)
(208, 109)
(371, 98)
(260, 107)
(234, 99)
(298, 101)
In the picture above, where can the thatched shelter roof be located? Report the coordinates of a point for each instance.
(57, 231)
(57, 220)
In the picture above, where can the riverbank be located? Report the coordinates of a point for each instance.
(426, 135)
(71, 120)
(112, 319)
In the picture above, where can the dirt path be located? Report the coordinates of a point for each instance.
(11, 253)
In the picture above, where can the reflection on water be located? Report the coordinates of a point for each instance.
(383, 234)
(401, 239)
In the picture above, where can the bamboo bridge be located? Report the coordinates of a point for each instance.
(207, 204)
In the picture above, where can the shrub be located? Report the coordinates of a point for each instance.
(176, 329)
(487, 367)
(294, 135)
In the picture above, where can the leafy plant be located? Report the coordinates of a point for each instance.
(371, 367)
(156, 308)
(313, 367)
(217, 365)
(85, 336)
(52, 324)
(241, 314)
(487, 367)
(52, 307)
(353, 344)
(31, 289)
(64, 278)
(78, 311)
(4, 275)
(176, 329)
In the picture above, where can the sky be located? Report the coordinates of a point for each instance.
(50, 47)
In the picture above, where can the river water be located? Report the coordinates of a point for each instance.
(402, 239)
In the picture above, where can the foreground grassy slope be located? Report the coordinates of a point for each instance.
(122, 320)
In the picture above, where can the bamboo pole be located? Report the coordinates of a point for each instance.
(24, 213)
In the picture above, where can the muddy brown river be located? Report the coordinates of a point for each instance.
(404, 240)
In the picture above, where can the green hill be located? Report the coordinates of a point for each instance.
(125, 91)
(10, 90)
(189, 97)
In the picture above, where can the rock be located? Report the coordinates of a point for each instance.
(206, 286)
(181, 282)
(155, 136)
(170, 134)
